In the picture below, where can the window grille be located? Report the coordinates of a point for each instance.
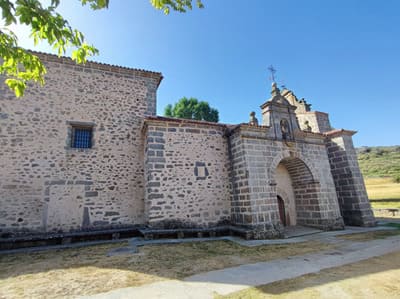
(81, 137)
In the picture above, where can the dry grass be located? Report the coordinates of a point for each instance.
(373, 278)
(85, 271)
(361, 237)
(383, 193)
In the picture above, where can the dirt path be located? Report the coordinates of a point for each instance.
(377, 277)
(230, 280)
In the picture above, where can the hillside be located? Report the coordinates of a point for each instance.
(380, 161)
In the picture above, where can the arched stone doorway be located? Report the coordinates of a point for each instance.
(299, 191)
(284, 190)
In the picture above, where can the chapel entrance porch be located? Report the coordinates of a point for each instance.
(297, 194)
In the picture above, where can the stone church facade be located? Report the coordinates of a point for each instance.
(88, 152)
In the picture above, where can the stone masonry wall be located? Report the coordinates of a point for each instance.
(241, 212)
(318, 200)
(187, 174)
(45, 185)
(352, 195)
(318, 121)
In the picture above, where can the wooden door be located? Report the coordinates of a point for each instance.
(282, 213)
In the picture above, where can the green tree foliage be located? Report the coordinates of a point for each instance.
(192, 109)
(177, 5)
(20, 66)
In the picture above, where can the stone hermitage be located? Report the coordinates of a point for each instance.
(145, 170)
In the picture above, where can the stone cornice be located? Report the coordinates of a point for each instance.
(181, 121)
(339, 132)
(313, 112)
(253, 128)
(273, 103)
(46, 57)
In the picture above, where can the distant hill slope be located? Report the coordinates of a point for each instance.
(379, 161)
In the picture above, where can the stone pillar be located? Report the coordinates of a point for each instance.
(240, 199)
(352, 195)
(154, 163)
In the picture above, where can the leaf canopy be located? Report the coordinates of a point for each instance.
(192, 108)
(46, 24)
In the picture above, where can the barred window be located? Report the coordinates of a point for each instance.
(81, 137)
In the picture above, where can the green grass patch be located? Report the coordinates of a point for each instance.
(362, 237)
(392, 224)
(383, 193)
(381, 161)
(380, 167)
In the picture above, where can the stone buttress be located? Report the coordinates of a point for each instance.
(353, 199)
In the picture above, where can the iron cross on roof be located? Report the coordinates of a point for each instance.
(273, 71)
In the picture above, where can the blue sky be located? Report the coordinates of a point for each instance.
(342, 56)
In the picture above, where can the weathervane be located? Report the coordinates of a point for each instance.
(273, 71)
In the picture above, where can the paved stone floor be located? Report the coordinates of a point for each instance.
(299, 231)
(225, 281)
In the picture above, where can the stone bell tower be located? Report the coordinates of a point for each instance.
(280, 115)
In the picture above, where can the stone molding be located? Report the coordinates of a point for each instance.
(46, 57)
(339, 132)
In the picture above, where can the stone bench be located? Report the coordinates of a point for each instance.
(181, 233)
(9, 241)
(393, 211)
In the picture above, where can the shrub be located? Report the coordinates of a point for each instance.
(379, 152)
